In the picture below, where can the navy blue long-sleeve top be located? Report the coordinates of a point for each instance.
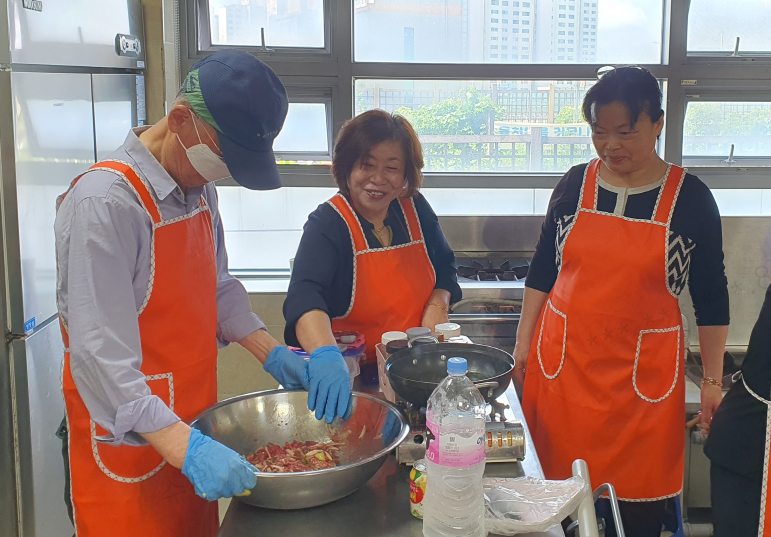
(322, 276)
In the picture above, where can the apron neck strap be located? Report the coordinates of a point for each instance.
(668, 193)
(344, 209)
(589, 187)
(411, 216)
(346, 212)
(127, 173)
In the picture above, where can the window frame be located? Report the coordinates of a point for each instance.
(332, 72)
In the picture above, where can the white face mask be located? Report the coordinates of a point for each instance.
(205, 161)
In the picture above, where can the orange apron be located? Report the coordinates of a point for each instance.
(764, 529)
(390, 285)
(604, 381)
(123, 491)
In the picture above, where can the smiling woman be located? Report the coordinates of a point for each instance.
(377, 159)
(373, 258)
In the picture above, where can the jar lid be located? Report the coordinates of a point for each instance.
(396, 345)
(418, 331)
(448, 329)
(388, 337)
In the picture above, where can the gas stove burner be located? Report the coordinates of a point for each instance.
(485, 270)
(504, 439)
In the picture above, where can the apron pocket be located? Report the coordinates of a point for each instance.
(656, 364)
(552, 341)
(133, 464)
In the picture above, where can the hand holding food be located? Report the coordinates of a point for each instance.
(215, 470)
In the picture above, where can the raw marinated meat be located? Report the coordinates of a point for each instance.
(296, 457)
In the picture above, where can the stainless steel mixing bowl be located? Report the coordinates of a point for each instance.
(248, 422)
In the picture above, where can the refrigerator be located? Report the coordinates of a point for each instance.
(71, 87)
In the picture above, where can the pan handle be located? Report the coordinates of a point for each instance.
(422, 338)
(491, 384)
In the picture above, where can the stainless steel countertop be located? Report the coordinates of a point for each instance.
(379, 509)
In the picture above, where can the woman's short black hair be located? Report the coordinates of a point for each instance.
(635, 87)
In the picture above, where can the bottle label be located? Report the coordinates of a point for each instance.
(451, 449)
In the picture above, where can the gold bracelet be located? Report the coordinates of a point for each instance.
(713, 382)
(438, 306)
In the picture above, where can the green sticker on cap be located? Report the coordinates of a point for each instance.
(194, 96)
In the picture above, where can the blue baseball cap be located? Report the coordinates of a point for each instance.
(243, 99)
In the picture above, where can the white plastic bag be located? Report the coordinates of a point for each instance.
(527, 504)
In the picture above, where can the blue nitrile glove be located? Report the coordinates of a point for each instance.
(330, 390)
(288, 369)
(215, 470)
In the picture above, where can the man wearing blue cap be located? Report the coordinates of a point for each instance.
(145, 298)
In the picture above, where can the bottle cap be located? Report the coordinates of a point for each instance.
(418, 331)
(448, 329)
(457, 366)
(388, 337)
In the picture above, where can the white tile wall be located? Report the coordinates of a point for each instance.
(263, 229)
(542, 197)
(471, 201)
(739, 202)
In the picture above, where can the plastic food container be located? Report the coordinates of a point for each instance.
(355, 347)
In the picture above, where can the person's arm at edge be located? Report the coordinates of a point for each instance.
(712, 340)
(532, 304)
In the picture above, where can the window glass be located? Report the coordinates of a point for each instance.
(714, 25)
(489, 126)
(287, 23)
(305, 130)
(458, 31)
(263, 228)
(712, 128)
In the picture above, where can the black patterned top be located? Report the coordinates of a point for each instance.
(695, 239)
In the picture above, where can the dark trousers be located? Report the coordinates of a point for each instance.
(63, 435)
(735, 503)
(640, 519)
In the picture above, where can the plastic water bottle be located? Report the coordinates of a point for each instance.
(455, 461)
